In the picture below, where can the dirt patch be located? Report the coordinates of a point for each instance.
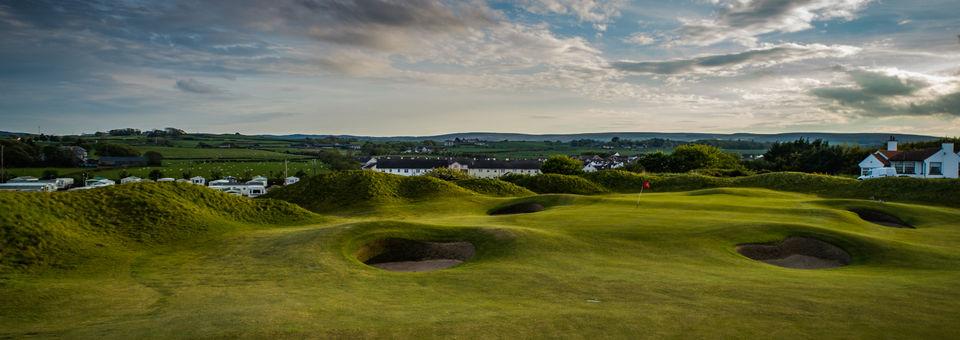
(405, 255)
(881, 218)
(797, 252)
(518, 208)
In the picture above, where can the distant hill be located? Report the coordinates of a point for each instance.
(8, 133)
(836, 138)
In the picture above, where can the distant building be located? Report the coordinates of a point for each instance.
(79, 154)
(33, 184)
(943, 162)
(410, 166)
(198, 180)
(130, 179)
(259, 180)
(98, 182)
(290, 180)
(491, 168)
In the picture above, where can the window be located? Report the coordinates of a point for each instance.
(905, 168)
(936, 168)
(865, 172)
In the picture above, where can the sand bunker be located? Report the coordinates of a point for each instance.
(881, 218)
(797, 252)
(404, 255)
(518, 208)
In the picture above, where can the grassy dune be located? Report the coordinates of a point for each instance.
(586, 266)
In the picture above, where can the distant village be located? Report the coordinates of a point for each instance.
(934, 162)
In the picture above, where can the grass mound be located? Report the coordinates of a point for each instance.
(48, 229)
(397, 254)
(797, 252)
(494, 187)
(557, 184)
(518, 208)
(358, 189)
(880, 217)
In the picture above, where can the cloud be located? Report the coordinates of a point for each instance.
(195, 86)
(598, 12)
(892, 92)
(742, 21)
(639, 39)
(731, 64)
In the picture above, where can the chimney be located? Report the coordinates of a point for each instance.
(892, 144)
(948, 147)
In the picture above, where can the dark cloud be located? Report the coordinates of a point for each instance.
(722, 63)
(881, 94)
(194, 86)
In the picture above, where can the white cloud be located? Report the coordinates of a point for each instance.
(639, 39)
(734, 63)
(742, 21)
(598, 12)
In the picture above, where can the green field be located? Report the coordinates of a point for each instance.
(164, 260)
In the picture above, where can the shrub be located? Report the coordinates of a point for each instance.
(563, 165)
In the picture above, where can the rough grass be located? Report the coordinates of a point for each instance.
(591, 267)
(494, 187)
(899, 189)
(364, 190)
(50, 228)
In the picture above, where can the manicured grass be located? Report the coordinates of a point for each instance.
(587, 267)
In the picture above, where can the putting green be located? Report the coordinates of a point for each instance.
(594, 266)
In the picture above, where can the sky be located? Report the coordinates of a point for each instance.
(421, 67)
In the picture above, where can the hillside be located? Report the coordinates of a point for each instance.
(866, 139)
(359, 190)
(52, 229)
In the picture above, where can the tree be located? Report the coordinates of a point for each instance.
(116, 150)
(563, 165)
(155, 174)
(813, 156)
(697, 156)
(654, 162)
(337, 161)
(153, 158)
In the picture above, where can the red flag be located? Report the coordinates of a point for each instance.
(646, 184)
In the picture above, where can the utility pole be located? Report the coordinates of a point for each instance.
(285, 169)
(3, 172)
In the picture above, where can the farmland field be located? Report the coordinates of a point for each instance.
(613, 265)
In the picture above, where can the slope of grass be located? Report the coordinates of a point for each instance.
(493, 187)
(601, 266)
(361, 190)
(48, 228)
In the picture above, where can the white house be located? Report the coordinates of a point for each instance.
(29, 186)
(942, 162)
(98, 182)
(491, 168)
(198, 180)
(290, 180)
(131, 179)
(258, 180)
(167, 179)
(410, 166)
(58, 183)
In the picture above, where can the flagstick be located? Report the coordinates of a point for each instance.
(638, 196)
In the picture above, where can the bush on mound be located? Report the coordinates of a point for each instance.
(355, 189)
(38, 228)
(494, 187)
(556, 184)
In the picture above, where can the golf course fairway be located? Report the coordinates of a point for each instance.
(661, 265)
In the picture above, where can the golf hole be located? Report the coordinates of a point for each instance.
(797, 252)
(403, 255)
(881, 218)
(518, 208)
